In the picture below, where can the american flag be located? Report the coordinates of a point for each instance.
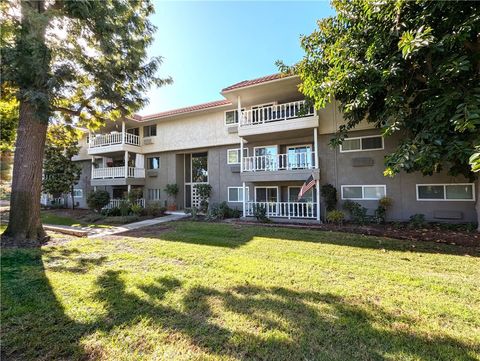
(309, 183)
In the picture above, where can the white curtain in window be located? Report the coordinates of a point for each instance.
(139, 161)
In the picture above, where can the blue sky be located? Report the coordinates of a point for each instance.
(210, 45)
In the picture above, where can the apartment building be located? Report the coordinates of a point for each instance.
(257, 146)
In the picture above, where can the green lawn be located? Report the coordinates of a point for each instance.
(54, 219)
(202, 291)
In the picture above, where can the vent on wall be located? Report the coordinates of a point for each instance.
(362, 162)
(447, 214)
(148, 141)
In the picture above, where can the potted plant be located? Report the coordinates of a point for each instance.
(172, 191)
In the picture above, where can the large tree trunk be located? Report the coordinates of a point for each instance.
(477, 204)
(24, 226)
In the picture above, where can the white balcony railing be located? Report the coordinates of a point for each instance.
(304, 160)
(276, 113)
(283, 209)
(117, 172)
(105, 140)
(115, 203)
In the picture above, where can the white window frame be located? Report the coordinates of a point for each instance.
(238, 150)
(265, 146)
(155, 192)
(225, 117)
(276, 187)
(263, 105)
(363, 191)
(247, 193)
(76, 190)
(363, 150)
(445, 192)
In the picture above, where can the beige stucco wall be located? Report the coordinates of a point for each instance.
(330, 119)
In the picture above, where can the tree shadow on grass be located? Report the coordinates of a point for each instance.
(278, 323)
(245, 322)
(234, 236)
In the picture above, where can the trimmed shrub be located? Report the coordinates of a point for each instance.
(112, 212)
(136, 209)
(124, 207)
(260, 213)
(335, 216)
(98, 199)
(417, 220)
(154, 210)
(222, 211)
(329, 195)
(357, 212)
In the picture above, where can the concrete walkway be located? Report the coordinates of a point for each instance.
(102, 232)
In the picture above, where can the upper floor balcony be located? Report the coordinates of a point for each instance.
(113, 142)
(274, 118)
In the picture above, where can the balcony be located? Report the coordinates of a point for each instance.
(116, 176)
(115, 203)
(289, 210)
(278, 118)
(281, 167)
(113, 142)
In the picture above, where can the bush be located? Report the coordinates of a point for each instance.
(193, 211)
(124, 207)
(154, 210)
(223, 211)
(417, 220)
(136, 209)
(381, 212)
(98, 199)
(92, 218)
(204, 191)
(112, 212)
(335, 216)
(357, 212)
(329, 194)
(135, 194)
(172, 191)
(260, 213)
(121, 220)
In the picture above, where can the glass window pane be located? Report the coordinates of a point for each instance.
(188, 170)
(459, 191)
(431, 192)
(233, 195)
(293, 194)
(261, 194)
(351, 144)
(233, 156)
(231, 117)
(372, 143)
(373, 192)
(352, 192)
(200, 167)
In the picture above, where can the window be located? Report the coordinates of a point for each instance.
(266, 194)
(231, 116)
(361, 192)
(233, 155)
(446, 192)
(134, 131)
(235, 194)
(153, 194)
(374, 142)
(199, 167)
(153, 163)
(77, 193)
(293, 195)
(150, 130)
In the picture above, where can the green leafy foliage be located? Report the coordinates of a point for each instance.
(154, 209)
(204, 191)
(411, 68)
(60, 171)
(260, 213)
(417, 221)
(222, 211)
(98, 199)
(329, 194)
(172, 191)
(335, 216)
(357, 212)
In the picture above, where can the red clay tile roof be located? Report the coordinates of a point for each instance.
(263, 79)
(190, 109)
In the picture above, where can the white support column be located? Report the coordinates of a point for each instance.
(123, 131)
(241, 155)
(317, 185)
(126, 164)
(129, 188)
(244, 198)
(93, 167)
(239, 110)
(315, 144)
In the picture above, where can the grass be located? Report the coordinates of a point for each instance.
(54, 219)
(202, 291)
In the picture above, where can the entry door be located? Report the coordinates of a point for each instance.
(196, 172)
(266, 158)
